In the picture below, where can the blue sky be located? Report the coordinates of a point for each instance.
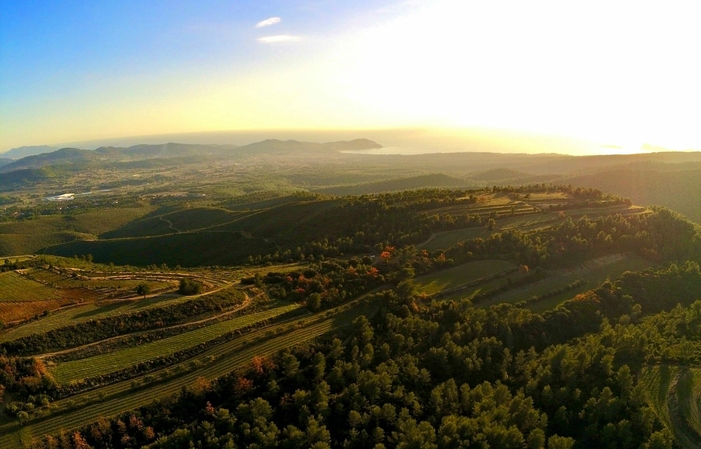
(617, 72)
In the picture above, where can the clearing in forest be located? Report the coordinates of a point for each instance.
(554, 286)
(92, 311)
(674, 393)
(461, 275)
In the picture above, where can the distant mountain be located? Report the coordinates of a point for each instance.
(272, 146)
(166, 150)
(5, 161)
(62, 156)
(179, 150)
(352, 145)
(18, 153)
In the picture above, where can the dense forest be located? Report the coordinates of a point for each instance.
(445, 375)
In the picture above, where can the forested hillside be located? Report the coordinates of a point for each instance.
(538, 316)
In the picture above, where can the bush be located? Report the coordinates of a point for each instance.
(189, 287)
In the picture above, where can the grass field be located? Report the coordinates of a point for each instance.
(105, 281)
(113, 361)
(525, 222)
(22, 298)
(168, 222)
(461, 275)
(32, 243)
(120, 397)
(444, 240)
(673, 392)
(29, 236)
(481, 288)
(15, 287)
(88, 312)
(13, 259)
(591, 273)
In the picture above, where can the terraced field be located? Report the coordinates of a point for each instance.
(524, 220)
(22, 298)
(461, 275)
(591, 274)
(113, 361)
(93, 311)
(120, 397)
(15, 287)
(674, 393)
(444, 240)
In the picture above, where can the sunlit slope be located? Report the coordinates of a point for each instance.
(674, 393)
(173, 222)
(29, 236)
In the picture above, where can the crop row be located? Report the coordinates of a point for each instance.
(89, 312)
(111, 282)
(112, 406)
(15, 287)
(107, 363)
(216, 352)
(82, 333)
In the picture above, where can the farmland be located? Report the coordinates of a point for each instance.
(90, 295)
(16, 287)
(120, 397)
(673, 393)
(113, 361)
(591, 274)
(446, 239)
(461, 275)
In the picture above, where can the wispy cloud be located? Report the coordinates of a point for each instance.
(278, 38)
(268, 22)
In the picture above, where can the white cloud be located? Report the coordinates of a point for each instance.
(278, 38)
(268, 22)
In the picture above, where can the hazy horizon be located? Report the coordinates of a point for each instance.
(405, 141)
(567, 78)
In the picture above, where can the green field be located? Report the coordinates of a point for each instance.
(461, 275)
(89, 312)
(120, 397)
(29, 236)
(104, 281)
(170, 222)
(481, 288)
(674, 392)
(444, 240)
(113, 361)
(15, 287)
(592, 274)
(13, 259)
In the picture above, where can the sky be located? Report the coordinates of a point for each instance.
(620, 73)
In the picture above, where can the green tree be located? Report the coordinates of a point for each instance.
(143, 289)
